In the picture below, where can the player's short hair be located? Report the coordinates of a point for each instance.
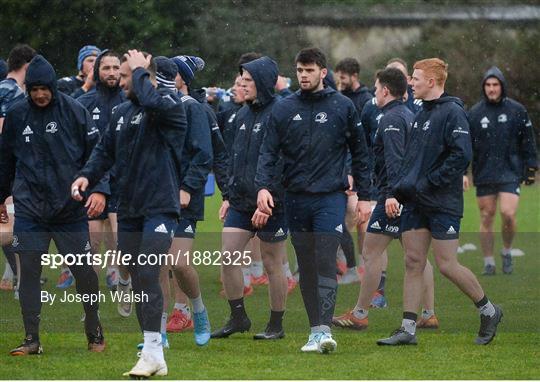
(247, 57)
(399, 61)
(433, 68)
(20, 55)
(394, 80)
(311, 56)
(349, 66)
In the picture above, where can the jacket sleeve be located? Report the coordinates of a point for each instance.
(102, 156)
(148, 96)
(221, 158)
(198, 144)
(458, 141)
(268, 155)
(527, 142)
(92, 137)
(7, 158)
(393, 132)
(356, 140)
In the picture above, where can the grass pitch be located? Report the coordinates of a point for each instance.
(448, 353)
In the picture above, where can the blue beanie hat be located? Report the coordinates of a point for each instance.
(187, 66)
(166, 71)
(87, 50)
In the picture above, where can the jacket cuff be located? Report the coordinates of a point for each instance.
(185, 187)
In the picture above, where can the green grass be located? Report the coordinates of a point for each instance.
(448, 353)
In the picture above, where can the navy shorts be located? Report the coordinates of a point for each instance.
(274, 231)
(494, 189)
(442, 226)
(380, 223)
(186, 228)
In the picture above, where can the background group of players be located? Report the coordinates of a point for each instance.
(126, 163)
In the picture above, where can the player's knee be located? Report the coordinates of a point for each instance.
(487, 216)
(508, 217)
(414, 264)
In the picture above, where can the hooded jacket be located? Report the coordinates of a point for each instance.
(196, 157)
(502, 136)
(144, 141)
(219, 150)
(437, 154)
(389, 146)
(100, 102)
(102, 99)
(360, 97)
(251, 124)
(312, 132)
(42, 150)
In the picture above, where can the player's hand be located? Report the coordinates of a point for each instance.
(185, 198)
(89, 82)
(80, 185)
(4, 217)
(265, 202)
(223, 210)
(259, 219)
(350, 191)
(466, 184)
(363, 209)
(391, 207)
(136, 59)
(529, 177)
(95, 204)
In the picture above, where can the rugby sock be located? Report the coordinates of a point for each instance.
(256, 268)
(409, 322)
(238, 310)
(380, 288)
(197, 304)
(32, 337)
(184, 308)
(276, 320)
(247, 276)
(287, 270)
(123, 282)
(325, 329)
(360, 313)
(507, 251)
(8, 273)
(427, 313)
(163, 327)
(485, 307)
(490, 260)
(153, 345)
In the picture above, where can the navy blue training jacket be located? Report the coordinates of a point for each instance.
(437, 154)
(100, 102)
(250, 124)
(389, 146)
(226, 125)
(144, 141)
(220, 153)
(312, 132)
(502, 137)
(42, 149)
(196, 157)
